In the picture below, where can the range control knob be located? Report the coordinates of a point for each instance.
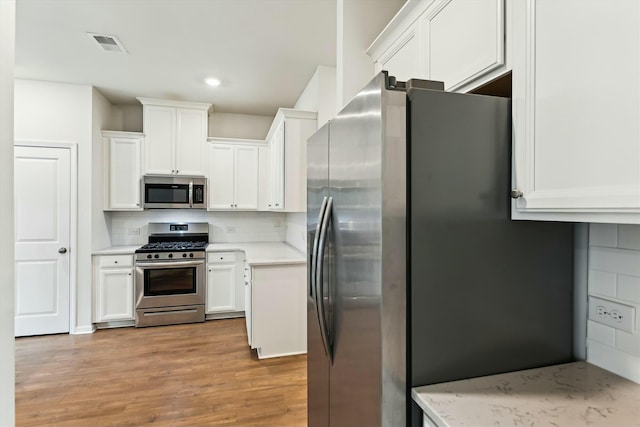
(190, 255)
(156, 256)
(149, 256)
(184, 255)
(170, 255)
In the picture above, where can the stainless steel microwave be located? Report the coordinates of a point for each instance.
(174, 192)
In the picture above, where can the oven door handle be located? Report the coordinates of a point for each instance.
(170, 264)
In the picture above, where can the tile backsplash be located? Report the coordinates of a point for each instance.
(614, 274)
(223, 226)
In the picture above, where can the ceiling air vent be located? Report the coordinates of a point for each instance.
(107, 43)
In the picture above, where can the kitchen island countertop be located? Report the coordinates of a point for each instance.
(569, 395)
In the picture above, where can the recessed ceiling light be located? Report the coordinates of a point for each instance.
(213, 82)
(107, 42)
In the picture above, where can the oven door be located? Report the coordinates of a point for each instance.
(169, 284)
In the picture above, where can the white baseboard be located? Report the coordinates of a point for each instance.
(82, 330)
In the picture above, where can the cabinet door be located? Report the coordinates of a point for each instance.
(576, 148)
(190, 141)
(246, 177)
(278, 310)
(221, 282)
(114, 296)
(159, 142)
(221, 175)
(464, 39)
(276, 169)
(402, 58)
(263, 178)
(124, 173)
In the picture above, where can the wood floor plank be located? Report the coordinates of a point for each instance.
(183, 375)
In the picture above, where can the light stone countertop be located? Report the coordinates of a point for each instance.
(570, 395)
(270, 253)
(117, 250)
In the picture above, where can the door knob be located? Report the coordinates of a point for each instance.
(62, 250)
(516, 193)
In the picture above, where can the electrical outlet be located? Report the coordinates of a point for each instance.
(230, 229)
(616, 315)
(134, 231)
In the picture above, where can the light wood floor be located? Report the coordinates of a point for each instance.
(185, 375)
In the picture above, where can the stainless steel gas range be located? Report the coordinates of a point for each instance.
(170, 274)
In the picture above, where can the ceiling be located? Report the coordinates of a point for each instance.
(263, 51)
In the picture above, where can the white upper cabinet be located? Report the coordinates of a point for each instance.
(175, 136)
(464, 40)
(233, 174)
(276, 167)
(576, 109)
(122, 170)
(459, 42)
(287, 139)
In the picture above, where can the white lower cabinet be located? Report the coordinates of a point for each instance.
(276, 309)
(113, 288)
(225, 288)
(247, 302)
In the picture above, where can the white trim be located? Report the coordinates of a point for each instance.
(284, 113)
(406, 37)
(121, 134)
(222, 140)
(83, 330)
(73, 226)
(176, 104)
(406, 16)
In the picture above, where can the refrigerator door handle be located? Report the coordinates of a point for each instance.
(322, 241)
(314, 252)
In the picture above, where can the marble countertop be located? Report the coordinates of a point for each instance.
(117, 250)
(263, 253)
(268, 253)
(570, 395)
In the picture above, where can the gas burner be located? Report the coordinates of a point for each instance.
(173, 246)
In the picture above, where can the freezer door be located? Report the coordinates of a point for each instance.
(317, 357)
(367, 381)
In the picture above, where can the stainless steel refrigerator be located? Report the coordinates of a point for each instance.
(417, 275)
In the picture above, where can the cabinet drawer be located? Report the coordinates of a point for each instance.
(221, 257)
(116, 261)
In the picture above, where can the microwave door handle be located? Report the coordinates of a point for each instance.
(191, 193)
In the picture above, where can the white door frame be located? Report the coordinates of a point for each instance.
(73, 220)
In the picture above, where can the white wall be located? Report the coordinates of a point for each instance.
(223, 125)
(105, 117)
(614, 274)
(247, 126)
(131, 117)
(7, 284)
(320, 95)
(223, 226)
(359, 23)
(46, 111)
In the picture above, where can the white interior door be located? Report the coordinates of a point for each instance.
(42, 232)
